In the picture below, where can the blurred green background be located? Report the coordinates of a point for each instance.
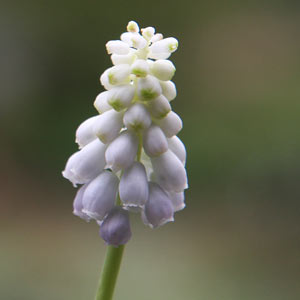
(238, 70)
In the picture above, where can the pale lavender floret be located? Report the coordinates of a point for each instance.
(86, 164)
(77, 204)
(154, 141)
(100, 195)
(121, 152)
(158, 208)
(170, 172)
(178, 148)
(177, 200)
(115, 229)
(133, 187)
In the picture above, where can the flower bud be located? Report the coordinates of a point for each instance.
(133, 27)
(105, 81)
(100, 195)
(120, 154)
(119, 74)
(159, 107)
(168, 89)
(108, 126)
(178, 148)
(171, 124)
(148, 88)
(157, 37)
(117, 47)
(84, 133)
(124, 59)
(163, 69)
(86, 164)
(77, 204)
(134, 40)
(170, 172)
(137, 117)
(177, 200)
(133, 188)
(154, 141)
(158, 208)
(115, 229)
(140, 68)
(121, 96)
(148, 33)
(168, 45)
(101, 103)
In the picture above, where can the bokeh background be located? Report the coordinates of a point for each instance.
(238, 71)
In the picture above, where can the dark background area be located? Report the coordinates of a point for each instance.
(238, 69)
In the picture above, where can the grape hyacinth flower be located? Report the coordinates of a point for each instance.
(130, 158)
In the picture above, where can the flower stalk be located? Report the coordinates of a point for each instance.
(110, 272)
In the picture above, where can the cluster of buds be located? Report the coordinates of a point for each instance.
(130, 158)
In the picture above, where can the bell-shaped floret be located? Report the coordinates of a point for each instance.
(120, 154)
(171, 124)
(100, 195)
(133, 187)
(117, 47)
(158, 209)
(159, 107)
(86, 164)
(108, 126)
(134, 40)
(148, 88)
(177, 200)
(163, 69)
(170, 172)
(121, 96)
(85, 133)
(119, 74)
(140, 68)
(178, 148)
(162, 49)
(154, 141)
(115, 229)
(137, 117)
(168, 89)
(77, 204)
(101, 103)
(124, 59)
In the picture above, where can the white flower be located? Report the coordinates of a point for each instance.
(121, 152)
(137, 117)
(121, 96)
(85, 133)
(148, 88)
(101, 103)
(131, 159)
(108, 125)
(163, 69)
(171, 124)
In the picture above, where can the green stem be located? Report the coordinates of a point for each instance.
(110, 272)
(140, 147)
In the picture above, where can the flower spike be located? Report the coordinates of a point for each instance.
(130, 158)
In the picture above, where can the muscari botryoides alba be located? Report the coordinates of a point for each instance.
(130, 158)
